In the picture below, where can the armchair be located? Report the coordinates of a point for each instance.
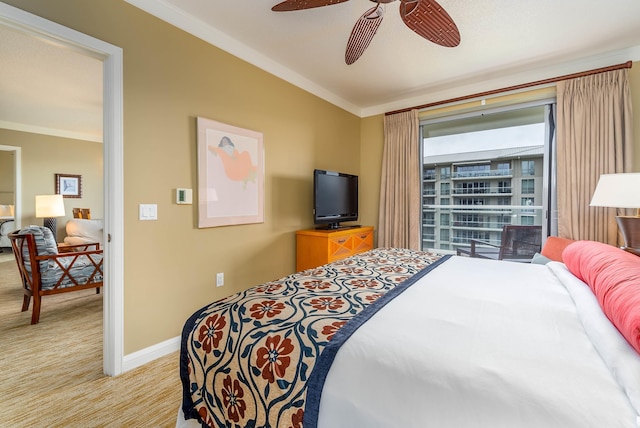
(45, 271)
(518, 244)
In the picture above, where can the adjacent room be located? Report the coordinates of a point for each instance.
(319, 213)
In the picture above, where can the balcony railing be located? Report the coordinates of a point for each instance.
(482, 173)
(489, 217)
(501, 191)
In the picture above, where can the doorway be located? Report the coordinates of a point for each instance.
(111, 57)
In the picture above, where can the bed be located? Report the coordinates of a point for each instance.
(402, 338)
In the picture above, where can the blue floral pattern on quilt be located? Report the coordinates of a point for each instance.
(246, 359)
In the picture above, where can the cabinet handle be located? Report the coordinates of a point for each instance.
(341, 241)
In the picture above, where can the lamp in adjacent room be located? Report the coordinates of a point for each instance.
(621, 191)
(49, 207)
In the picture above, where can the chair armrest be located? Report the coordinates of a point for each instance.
(488, 251)
(477, 241)
(69, 254)
(68, 248)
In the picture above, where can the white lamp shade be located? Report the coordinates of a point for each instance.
(49, 206)
(617, 191)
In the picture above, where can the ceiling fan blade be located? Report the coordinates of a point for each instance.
(289, 5)
(431, 21)
(362, 33)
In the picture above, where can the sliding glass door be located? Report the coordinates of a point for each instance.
(486, 169)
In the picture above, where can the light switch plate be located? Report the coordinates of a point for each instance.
(148, 211)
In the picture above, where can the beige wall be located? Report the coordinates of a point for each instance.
(44, 156)
(170, 78)
(371, 146)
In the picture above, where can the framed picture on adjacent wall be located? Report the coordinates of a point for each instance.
(230, 175)
(69, 185)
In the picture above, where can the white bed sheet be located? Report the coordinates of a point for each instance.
(478, 343)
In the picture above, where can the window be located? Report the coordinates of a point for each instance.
(480, 153)
(470, 220)
(503, 220)
(528, 167)
(444, 219)
(429, 189)
(504, 186)
(528, 186)
(444, 235)
(527, 220)
(428, 219)
(472, 171)
(430, 174)
(504, 168)
(445, 188)
(472, 201)
(527, 202)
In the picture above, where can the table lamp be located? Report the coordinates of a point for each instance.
(49, 207)
(621, 191)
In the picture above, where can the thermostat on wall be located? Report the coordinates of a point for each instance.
(183, 197)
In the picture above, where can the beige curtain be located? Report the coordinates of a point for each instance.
(399, 222)
(595, 136)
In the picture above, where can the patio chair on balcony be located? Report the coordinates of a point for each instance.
(518, 244)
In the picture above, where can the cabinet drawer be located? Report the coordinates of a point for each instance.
(340, 248)
(362, 242)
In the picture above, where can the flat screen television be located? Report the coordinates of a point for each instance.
(335, 198)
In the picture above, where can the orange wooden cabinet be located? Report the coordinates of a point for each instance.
(316, 247)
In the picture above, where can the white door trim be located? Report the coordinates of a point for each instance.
(111, 56)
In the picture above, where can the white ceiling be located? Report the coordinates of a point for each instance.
(503, 43)
(48, 88)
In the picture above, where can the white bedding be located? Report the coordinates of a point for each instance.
(483, 343)
(480, 343)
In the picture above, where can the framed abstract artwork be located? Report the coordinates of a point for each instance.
(69, 185)
(230, 175)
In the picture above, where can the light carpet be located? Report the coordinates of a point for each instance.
(51, 372)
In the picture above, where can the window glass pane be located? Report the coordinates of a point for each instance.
(528, 167)
(528, 186)
(445, 188)
(527, 220)
(481, 176)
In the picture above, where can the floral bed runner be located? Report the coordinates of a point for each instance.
(245, 360)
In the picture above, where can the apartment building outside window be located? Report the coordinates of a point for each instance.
(486, 179)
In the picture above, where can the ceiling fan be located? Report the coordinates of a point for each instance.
(425, 17)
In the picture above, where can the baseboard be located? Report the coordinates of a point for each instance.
(143, 356)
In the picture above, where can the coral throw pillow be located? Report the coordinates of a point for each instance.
(554, 246)
(614, 277)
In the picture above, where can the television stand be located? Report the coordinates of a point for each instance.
(317, 247)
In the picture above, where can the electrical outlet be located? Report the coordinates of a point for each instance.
(220, 279)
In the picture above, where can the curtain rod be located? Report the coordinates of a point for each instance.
(627, 64)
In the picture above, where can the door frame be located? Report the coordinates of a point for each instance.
(113, 194)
